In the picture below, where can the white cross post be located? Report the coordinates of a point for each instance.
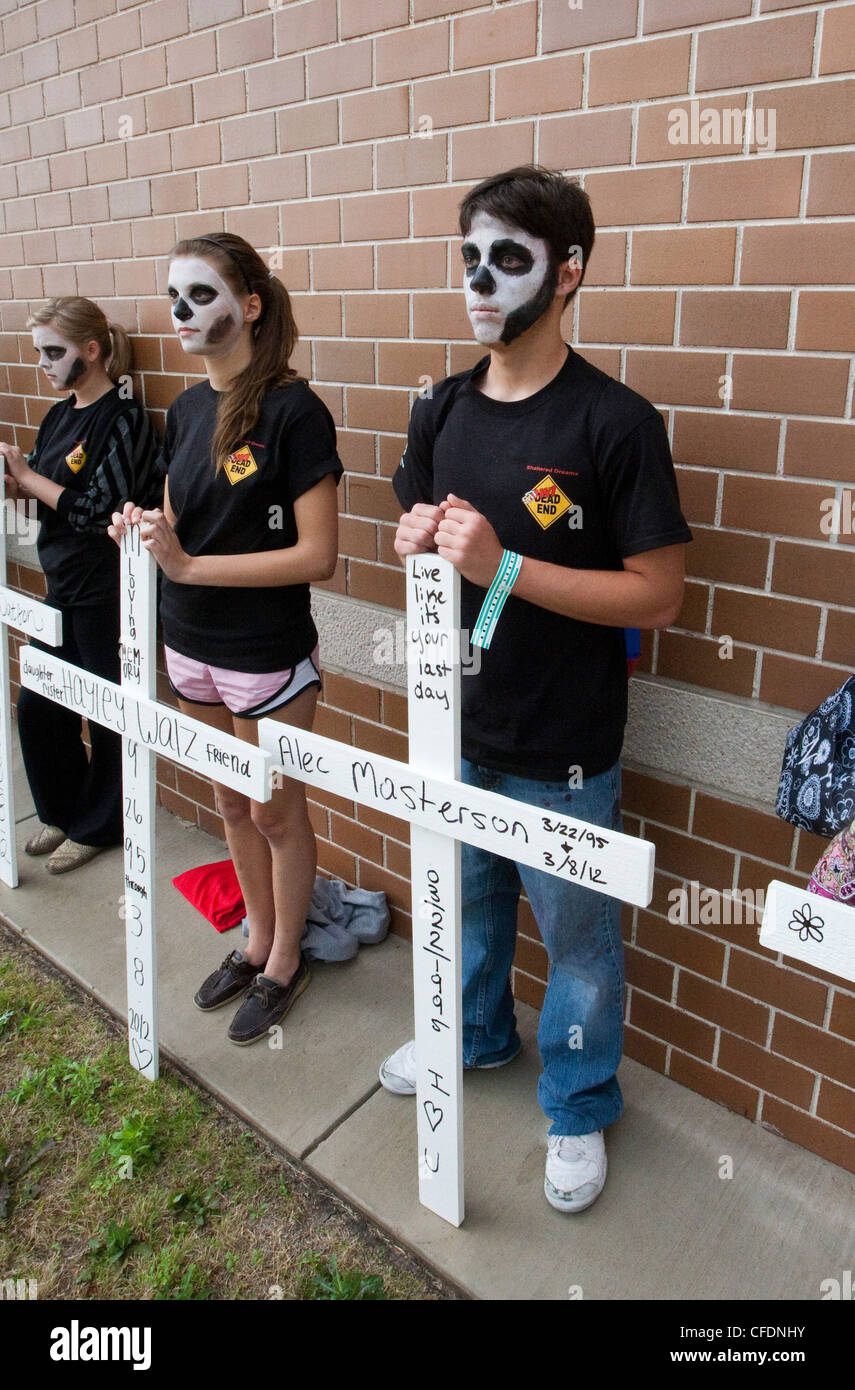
(442, 811)
(36, 620)
(809, 927)
(147, 728)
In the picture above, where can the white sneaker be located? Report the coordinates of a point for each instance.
(398, 1072)
(575, 1170)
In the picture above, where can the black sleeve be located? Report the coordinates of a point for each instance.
(642, 505)
(164, 457)
(310, 447)
(124, 474)
(413, 478)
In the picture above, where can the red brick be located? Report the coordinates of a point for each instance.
(537, 87)
(812, 1134)
(837, 1104)
(308, 27)
(341, 69)
(663, 1021)
(402, 163)
(378, 316)
(725, 441)
(338, 268)
(377, 584)
(648, 973)
(821, 572)
(629, 72)
(340, 170)
(660, 128)
(630, 196)
(647, 1051)
(496, 36)
(683, 256)
(412, 265)
(798, 385)
(662, 14)
(621, 316)
(812, 254)
(370, 115)
(767, 50)
(440, 316)
(739, 189)
(710, 1082)
(307, 224)
(276, 83)
(766, 621)
(735, 318)
(587, 140)
(375, 217)
(797, 685)
(346, 362)
(832, 184)
(826, 321)
(774, 505)
(680, 378)
(696, 660)
(566, 27)
(348, 835)
(407, 364)
(356, 19)
(412, 53)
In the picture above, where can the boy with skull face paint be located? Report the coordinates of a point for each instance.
(536, 453)
(93, 451)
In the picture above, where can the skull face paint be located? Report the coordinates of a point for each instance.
(59, 359)
(509, 279)
(205, 312)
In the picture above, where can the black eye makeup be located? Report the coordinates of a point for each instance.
(471, 255)
(199, 294)
(511, 257)
(52, 352)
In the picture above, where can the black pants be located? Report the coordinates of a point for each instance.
(83, 796)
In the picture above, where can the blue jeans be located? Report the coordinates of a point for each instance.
(578, 1089)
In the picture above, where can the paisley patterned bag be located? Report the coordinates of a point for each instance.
(817, 787)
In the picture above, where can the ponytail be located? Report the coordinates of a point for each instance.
(118, 362)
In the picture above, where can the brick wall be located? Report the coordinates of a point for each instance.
(340, 134)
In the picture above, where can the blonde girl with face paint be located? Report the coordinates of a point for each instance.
(94, 450)
(249, 521)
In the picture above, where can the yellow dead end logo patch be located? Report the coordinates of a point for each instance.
(240, 464)
(76, 458)
(546, 502)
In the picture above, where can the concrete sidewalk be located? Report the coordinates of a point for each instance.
(666, 1227)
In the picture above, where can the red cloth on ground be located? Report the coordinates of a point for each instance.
(213, 889)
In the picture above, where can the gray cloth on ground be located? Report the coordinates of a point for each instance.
(340, 920)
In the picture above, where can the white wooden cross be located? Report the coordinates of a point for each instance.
(36, 620)
(426, 792)
(147, 728)
(809, 927)
(442, 812)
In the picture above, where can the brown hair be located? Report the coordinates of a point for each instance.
(81, 321)
(543, 203)
(274, 333)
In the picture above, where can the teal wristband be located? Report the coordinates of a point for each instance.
(497, 596)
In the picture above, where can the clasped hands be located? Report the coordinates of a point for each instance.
(457, 532)
(158, 536)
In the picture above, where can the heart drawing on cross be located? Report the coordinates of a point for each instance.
(143, 1055)
(432, 1110)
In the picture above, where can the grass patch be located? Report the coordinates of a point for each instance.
(114, 1187)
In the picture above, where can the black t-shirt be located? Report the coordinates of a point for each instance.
(103, 455)
(578, 474)
(240, 509)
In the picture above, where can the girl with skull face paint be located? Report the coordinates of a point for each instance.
(249, 521)
(93, 451)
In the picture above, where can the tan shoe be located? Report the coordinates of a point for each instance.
(45, 840)
(70, 856)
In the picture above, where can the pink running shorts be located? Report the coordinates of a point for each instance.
(248, 694)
